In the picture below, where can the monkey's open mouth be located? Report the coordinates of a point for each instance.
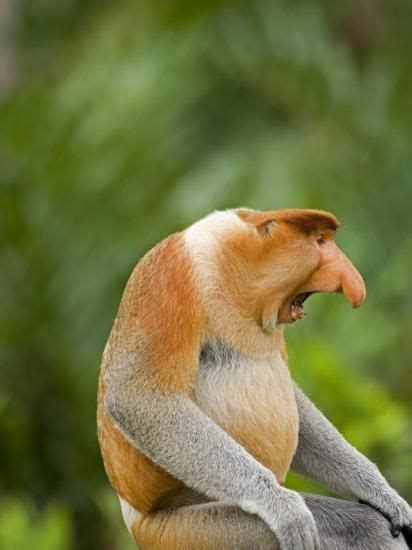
(296, 305)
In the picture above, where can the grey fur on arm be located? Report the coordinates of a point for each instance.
(324, 455)
(180, 438)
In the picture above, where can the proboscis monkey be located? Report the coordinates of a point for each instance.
(199, 420)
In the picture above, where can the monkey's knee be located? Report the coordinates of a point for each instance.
(345, 525)
(377, 530)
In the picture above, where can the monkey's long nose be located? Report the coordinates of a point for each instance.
(353, 286)
(336, 273)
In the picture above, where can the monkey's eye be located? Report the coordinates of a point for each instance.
(321, 240)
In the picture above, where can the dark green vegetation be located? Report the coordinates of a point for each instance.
(127, 123)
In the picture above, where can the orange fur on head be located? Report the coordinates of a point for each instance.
(296, 254)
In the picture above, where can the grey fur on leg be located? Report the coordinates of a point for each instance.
(194, 523)
(346, 525)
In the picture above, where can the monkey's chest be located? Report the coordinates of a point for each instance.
(252, 400)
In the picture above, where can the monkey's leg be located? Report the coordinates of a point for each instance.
(208, 526)
(346, 525)
(342, 525)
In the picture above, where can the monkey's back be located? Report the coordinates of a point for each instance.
(132, 475)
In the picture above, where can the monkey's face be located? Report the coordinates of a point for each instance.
(333, 273)
(295, 257)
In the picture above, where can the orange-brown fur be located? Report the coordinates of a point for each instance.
(134, 477)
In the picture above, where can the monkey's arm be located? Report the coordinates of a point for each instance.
(325, 456)
(173, 432)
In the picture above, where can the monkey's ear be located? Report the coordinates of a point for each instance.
(265, 227)
(263, 221)
(308, 221)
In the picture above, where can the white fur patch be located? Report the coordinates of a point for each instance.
(256, 383)
(254, 397)
(129, 513)
(203, 240)
(202, 237)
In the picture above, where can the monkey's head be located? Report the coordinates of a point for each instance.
(283, 257)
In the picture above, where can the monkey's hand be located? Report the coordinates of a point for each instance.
(395, 509)
(290, 520)
(324, 455)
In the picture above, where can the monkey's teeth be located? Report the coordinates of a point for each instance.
(296, 311)
(297, 305)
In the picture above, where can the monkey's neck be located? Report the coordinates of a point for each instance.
(243, 330)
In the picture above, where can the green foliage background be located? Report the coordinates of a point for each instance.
(128, 121)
